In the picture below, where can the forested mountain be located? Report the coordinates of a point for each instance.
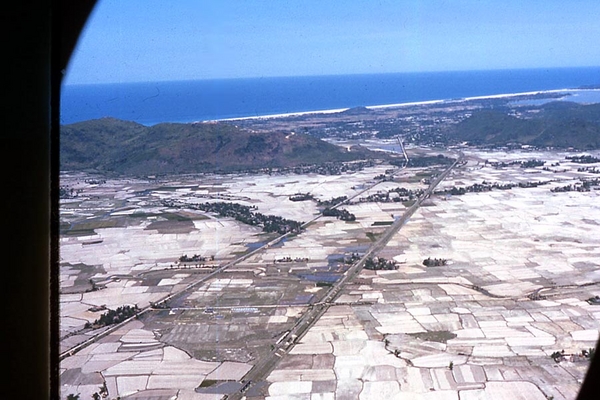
(556, 124)
(123, 147)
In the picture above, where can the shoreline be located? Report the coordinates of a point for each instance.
(397, 105)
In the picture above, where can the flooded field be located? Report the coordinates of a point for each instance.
(518, 260)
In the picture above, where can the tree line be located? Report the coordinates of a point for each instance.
(195, 258)
(522, 164)
(341, 214)
(114, 316)
(380, 263)
(434, 262)
(585, 159)
(246, 215)
(488, 186)
(584, 185)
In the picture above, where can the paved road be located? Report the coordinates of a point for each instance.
(264, 367)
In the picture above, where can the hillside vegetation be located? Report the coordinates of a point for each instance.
(556, 124)
(123, 147)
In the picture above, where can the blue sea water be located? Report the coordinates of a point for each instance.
(187, 101)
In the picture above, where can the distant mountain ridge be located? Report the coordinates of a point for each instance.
(124, 147)
(558, 124)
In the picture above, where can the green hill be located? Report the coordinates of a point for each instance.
(122, 147)
(557, 124)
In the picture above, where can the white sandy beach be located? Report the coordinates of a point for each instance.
(414, 103)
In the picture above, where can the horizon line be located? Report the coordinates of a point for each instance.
(326, 75)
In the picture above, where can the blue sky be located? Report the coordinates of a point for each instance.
(162, 40)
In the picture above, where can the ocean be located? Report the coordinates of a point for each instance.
(150, 103)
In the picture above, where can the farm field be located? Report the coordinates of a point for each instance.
(217, 295)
